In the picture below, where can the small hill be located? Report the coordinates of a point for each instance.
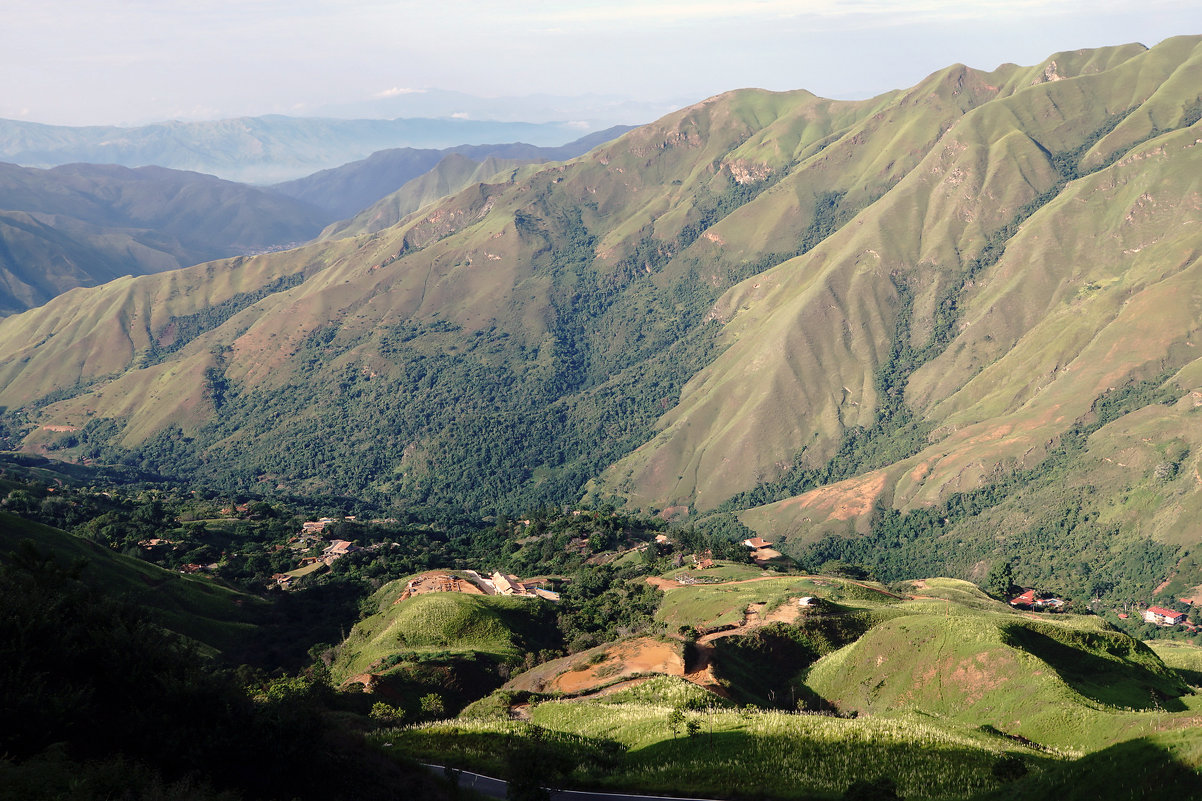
(457, 645)
(1056, 680)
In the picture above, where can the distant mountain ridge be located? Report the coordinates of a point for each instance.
(350, 188)
(257, 150)
(85, 224)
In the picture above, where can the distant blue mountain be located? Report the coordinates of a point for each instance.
(259, 150)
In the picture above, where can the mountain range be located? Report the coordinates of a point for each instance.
(964, 313)
(84, 224)
(350, 188)
(258, 150)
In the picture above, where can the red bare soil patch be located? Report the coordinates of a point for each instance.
(636, 656)
(437, 581)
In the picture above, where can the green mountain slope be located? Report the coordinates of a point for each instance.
(950, 311)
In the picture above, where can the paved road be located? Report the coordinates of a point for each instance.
(496, 788)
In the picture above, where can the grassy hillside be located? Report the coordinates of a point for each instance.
(1065, 682)
(442, 623)
(218, 618)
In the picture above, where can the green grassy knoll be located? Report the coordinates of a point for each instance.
(442, 623)
(1067, 682)
(459, 647)
(218, 618)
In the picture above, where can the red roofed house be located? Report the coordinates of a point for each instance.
(757, 543)
(1026, 599)
(1163, 617)
(338, 549)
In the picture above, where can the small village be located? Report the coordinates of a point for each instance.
(317, 554)
(1033, 601)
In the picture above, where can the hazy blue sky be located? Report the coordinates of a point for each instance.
(134, 61)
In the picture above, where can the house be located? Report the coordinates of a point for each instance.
(756, 543)
(507, 585)
(1055, 604)
(1026, 599)
(1163, 617)
(316, 526)
(338, 549)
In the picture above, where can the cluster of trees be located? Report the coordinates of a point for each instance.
(481, 421)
